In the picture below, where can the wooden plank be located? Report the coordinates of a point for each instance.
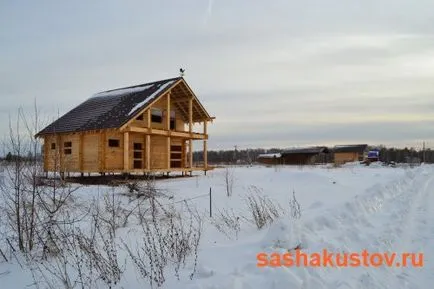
(80, 152)
(205, 145)
(168, 111)
(126, 151)
(190, 115)
(168, 152)
(190, 153)
(148, 152)
(148, 117)
(161, 132)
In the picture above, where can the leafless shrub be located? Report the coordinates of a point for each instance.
(263, 211)
(84, 259)
(229, 180)
(31, 207)
(144, 189)
(114, 214)
(227, 223)
(169, 238)
(294, 207)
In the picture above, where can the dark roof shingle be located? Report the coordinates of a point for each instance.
(109, 109)
(308, 150)
(357, 148)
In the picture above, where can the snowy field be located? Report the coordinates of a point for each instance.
(347, 209)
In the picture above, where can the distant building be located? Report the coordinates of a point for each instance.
(349, 153)
(270, 159)
(305, 156)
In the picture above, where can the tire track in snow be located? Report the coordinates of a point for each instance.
(419, 238)
(387, 220)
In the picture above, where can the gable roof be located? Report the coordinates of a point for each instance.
(357, 148)
(112, 108)
(307, 150)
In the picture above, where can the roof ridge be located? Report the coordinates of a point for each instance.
(139, 85)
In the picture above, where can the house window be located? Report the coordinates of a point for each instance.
(113, 143)
(156, 115)
(140, 117)
(67, 148)
(137, 146)
(137, 164)
(172, 120)
(53, 146)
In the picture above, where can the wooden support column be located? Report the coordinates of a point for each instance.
(80, 152)
(168, 129)
(190, 128)
(126, 152)
(190, 115)
(148, 141)
(205, 145)
(168, 111)
(148, 117)
(190, 152)
(148, 152)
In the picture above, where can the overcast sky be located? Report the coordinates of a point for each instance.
(275, 73)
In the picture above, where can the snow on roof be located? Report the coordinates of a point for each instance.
(153, 95)
(123, 91)
(269, 156)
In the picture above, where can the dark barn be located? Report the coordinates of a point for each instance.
(270, 159)
(305, 156)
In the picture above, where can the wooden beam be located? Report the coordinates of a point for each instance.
(154, 131)
(168, 111)
(190, 115)
(126, 151)
(205, 145)
(148, 151)
(148, 117)
(168, 152)
(190, 153)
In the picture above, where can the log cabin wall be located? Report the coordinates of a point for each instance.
(145, 143)
(345, 157)
(114, 156)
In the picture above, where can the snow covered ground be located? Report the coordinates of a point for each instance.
(345, 209)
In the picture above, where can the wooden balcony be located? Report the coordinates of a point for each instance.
(172, 133)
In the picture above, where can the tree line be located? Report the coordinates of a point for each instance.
(248, 156)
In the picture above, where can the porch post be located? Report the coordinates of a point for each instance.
(126, 152)
(148, 140)
(168, 129)
(205, 145)
(190, 128)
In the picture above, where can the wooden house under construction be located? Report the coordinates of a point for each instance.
(142, 128)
